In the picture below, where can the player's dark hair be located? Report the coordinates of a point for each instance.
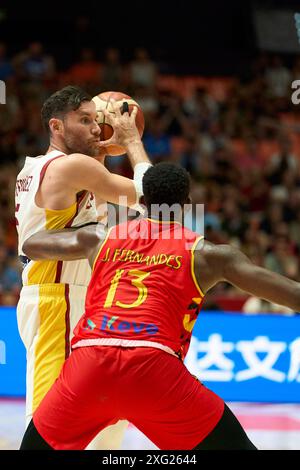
(61, 102)
(166, 183)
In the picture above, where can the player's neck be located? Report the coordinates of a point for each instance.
(159, 217)
(58, 147)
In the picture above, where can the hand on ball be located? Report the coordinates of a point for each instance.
(124, 126)
(117, 104)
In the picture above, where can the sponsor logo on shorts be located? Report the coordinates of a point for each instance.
(90, 325)
(115, 324)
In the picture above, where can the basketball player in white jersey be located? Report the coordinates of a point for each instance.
(57, 190)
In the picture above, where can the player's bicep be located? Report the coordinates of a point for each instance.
(86, 173)
(235, 265)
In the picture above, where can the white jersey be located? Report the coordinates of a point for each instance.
(30, 219)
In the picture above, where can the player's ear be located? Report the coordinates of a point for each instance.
(55, 125)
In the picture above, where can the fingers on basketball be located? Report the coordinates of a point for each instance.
(133, 113)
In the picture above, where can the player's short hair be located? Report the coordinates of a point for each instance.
(61, 102)
(166, 183)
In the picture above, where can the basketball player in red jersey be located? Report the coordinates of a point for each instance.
(144, 297)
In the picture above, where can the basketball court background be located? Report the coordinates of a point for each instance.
(270, 427)
(211, 46)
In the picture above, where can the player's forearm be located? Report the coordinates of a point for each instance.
(136, 153)
(94, 177)
(51, 245)
(116, 189)
(283, 291)
(270, 286)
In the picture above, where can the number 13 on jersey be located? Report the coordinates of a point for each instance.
(137, 281)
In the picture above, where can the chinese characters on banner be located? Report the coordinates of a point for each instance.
(247, 358)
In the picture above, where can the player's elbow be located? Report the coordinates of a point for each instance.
(30, 249)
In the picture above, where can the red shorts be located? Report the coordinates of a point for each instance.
(150, 388)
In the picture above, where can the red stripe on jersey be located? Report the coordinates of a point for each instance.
(16, 210)
(58, 271)
(79, 198)
(67, 320)
(42, 174)
(68, 225)
(44, 169)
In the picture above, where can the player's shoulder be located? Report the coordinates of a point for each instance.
(78, 156)
(212, 250)
(74, 170)
(65, 159)
(71, 162)
(214, 257)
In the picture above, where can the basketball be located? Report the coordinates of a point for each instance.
(103, 101)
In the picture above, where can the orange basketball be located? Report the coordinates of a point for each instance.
(102, 101)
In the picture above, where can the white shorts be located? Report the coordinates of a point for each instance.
(47, 315)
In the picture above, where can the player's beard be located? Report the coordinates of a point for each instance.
(77, 145)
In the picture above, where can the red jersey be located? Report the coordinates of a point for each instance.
(143, 289)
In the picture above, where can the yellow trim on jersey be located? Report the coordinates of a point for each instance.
(188, 324)
(101, 246)
(51, 345)
(164, 221)
(44, 272)
(192, 265)
(56, 219)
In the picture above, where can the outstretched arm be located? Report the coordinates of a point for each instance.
(215, 263)
(66, 244)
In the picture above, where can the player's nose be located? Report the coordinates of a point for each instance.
(96, 130)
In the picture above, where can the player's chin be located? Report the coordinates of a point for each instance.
(95, 150)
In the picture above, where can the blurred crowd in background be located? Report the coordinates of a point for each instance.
(239, 137)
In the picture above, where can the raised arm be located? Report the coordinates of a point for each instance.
(127, 135)
(71, 174)
(217, 263)
(66, 244)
